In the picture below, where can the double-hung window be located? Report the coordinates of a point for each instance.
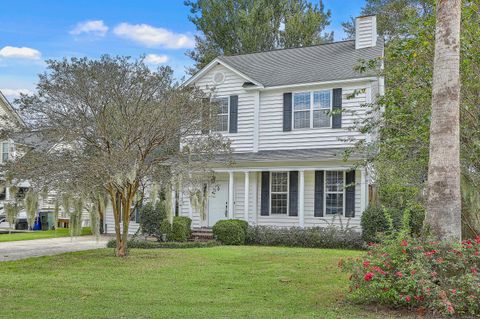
(311, 109)
(334, 192)
(279, 193)
(221, 112)
(5, 151)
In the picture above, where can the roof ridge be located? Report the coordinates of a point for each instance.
(284, 49)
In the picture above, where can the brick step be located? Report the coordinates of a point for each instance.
(201, 234)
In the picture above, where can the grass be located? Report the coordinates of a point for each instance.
(61, 232)
(217, 282)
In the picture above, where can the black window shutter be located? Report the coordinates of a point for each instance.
(287, 112)
(337, 108)
(265, 198)
(318, 200)
(350, 194)
(233, 114)
(293, 194)
(205, 115)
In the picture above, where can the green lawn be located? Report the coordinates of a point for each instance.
(61, 232)
(218, 282)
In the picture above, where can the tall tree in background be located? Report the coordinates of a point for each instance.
(444, 198)
(400, 154)
(243, 26)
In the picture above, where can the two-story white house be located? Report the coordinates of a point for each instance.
(290, 115)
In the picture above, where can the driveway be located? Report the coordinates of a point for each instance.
(47, 247)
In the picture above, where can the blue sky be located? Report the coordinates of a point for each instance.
(32, 31)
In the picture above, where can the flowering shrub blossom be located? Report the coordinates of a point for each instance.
(414, 273)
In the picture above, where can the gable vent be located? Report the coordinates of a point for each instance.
(365, 32)
(218, 77)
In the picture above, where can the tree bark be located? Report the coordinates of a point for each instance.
(443, 218)
(122, 203)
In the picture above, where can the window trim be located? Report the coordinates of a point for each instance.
(7, 144)
(325, 192)
(287, 192)
(212, 100)
(311, 109)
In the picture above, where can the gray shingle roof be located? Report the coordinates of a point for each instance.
(324, 62)
(319, 154)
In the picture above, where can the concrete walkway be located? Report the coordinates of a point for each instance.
(47, 247)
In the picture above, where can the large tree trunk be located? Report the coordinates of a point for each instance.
(443, 218)
(122, 203)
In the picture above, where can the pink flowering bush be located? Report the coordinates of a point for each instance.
(419, 274)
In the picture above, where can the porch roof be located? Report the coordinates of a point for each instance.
(319, 154)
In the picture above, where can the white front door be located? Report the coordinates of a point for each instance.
(218, 203)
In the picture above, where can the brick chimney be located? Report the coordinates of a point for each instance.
(365, 32)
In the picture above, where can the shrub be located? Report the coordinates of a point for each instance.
(230, 232)
(374, 221)
(151, 217)
(179, 230)
(415, 273)
(145, 244)
(314, 237)
(377, 221)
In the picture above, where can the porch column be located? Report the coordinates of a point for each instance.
(363, 190)
(174, 202)
(190, 208)
(245, 207)
(230, 195)
(301, 198)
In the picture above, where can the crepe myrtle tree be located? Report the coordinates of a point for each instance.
(113, 125)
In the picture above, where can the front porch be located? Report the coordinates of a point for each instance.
(294, 197)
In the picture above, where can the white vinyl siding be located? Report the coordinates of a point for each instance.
(242, 141)
(272, 136)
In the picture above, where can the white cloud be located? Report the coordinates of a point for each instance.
(95, 27)
(151, 36)
(156, 59)
(17, 52)
(14, 93)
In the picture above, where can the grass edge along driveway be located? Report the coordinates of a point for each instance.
(41, 234)
(217, 282)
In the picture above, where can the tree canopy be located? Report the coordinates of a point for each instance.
(112, 125)
(244, 26)
(400, 154)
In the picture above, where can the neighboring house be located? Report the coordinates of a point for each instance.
(11, 148)
(9, 119)
(288, 149)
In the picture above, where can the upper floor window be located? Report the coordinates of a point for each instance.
(221, 112)
(311, 109)
(5, 151)
(279, 192)
(334, 192)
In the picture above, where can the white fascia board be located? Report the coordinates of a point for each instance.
(209, 66)
(354, 80)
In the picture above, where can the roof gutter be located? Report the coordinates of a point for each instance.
(279, 87)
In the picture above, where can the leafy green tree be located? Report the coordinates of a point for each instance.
(400, 154)
(243, 26)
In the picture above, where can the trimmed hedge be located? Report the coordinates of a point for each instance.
(145, 244)
(230, 232)
(314, 237)
(179, 230)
